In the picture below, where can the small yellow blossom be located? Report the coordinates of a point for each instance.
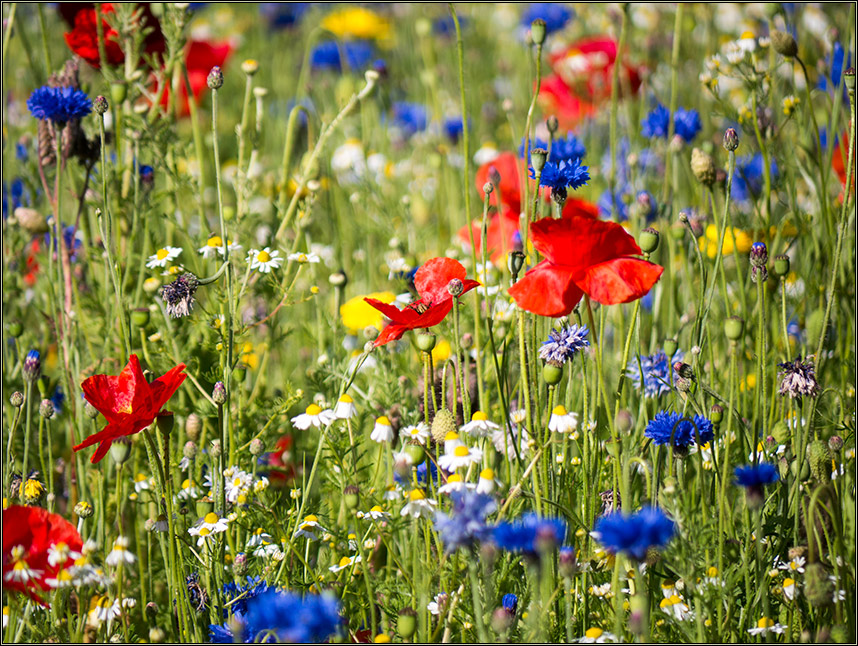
(357, 22)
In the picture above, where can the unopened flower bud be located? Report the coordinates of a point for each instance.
(731, 139)
(759, 254)
(649, 240)
(703, 167)
(190, 450)
(406, 623)
(100, 105)
(835, 443)
(670, 346)
(215, 449)
(455, 287)
(120, 450)
(501, 620)
(46, 409)
(250, 67)
(338, 279)
(140, 317)
(781, 265)
(624, 421)
(716, 414)
(352, 496)
(257, 447)
(784, 44)
(849, 79)
(552, 124)
(426, 341)
(552, 374)
(219, 393)
(537, 31)
(734, 327)
(494, 175)
(118, 92)
(193, 425)
(32, 366)
(215, 78)
(15, 329)
(17, 399)
(157, 635)
(443, 423)
(488, 187)
(515, 261)
(83, 509)
(538, 157)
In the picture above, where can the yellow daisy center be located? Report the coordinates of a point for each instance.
(311, 519)
(205, 531)
(487, 474)
(460, 451)
(559, 410)
(214, 241)
(454, 478)
(263, 256)
(452, 435)
(345, 561)
(765, 622)
(593, 633)
(211, 518)
(376, 508)
(479, 416)
(712, 571)
(788, 582)
(162, 253)
(383, 421)
(313, 410)
(417, 494)
(346, 399)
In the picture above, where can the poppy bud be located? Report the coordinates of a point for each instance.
(552, 374)
(165, 422)
(425, 341)
(415, 453)
(406, 623)
(83, 509)
(100, 105)
(190, 450)
(781, 265)
(537, 31)
(716, 414)
(703, 167)
(488, 187)
(538, 157)
(352, 496)
(120, 450)
(649, 240)
(215, 78)
(192, 426)
(17, 399)
(849, 79)
(455, 287)
(515, 261)
(733, 328)
(670, 347)
(32, 366)
(219, 393)
(46, 409)
(118, 92)
(784, 44)
(467, 341)
(552, 124)
(15, 329)
(140, 317)
(90, 410)
(731, 140)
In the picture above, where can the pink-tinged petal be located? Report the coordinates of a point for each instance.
(620, 280)
(434, 275)
(547, 290)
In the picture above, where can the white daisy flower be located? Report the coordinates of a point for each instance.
(419, 432)
(21, 571)
(212, 522)
(418, 505)
(346, 561)
(257, 538)
(675, 606)
(382, 431)
(596, 636)
(264, 260)
(161, 524)
(712, 578)
(63, 579)
(376, 513)
(462, 456)
(562, 421)
(261, 485)
(766, 625)
(163, 256)
(237, 483)
(795, 565)
(602, 591)
(313, 416)
(308, 527)
(391, 493)
(189, 490)
(451, 441)
(104, 610)
(303, 258)
(120, 553)
(345, 407)
(454, 483)
(479, 426)
(487, 482)
(267, 549)
(211, 247)
(141, 483)
(59, 553)
(789, 588)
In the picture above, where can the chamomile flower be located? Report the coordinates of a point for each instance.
(309, 527)
(161, 524)
(237, 483)
(102, 610)
(766, 625)
(596, 635)
(346, 561)
(419, 432)
(212, 522)
(313, 416)
(376, 513)
(189, 490)
(562, 421)
(345, 407)
(418, 505)
(303, 258)
(676, 607)
(59, 553)
(63, 579)
(20, 571)
(794, 565)
(391, 492)
(120, 553)
(163, 256)
(264, 260)
(487, 482)
(789, 588)
(454, 483)
(141, 483)
(460, 457)
(479, 426)
(382, 431)
(451, 441)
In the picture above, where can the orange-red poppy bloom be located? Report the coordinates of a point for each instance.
(36, 546)
(128, 402)
(435, 302)
(583, 255)
(201, 57)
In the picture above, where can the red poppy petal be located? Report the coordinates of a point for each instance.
(580, 242)
(391, 311)
(547, 290)
(165, 386)
(434, 275)
(109, 432)
(508, 166)
(392, 332)
(620, 280)
(575, 208)
(98, 390)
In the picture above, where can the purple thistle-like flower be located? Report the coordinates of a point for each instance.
(798, 379)
(179, 295)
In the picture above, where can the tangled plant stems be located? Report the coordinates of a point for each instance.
(277, 381)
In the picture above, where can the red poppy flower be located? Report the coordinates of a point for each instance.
(128, 402)
(508, 165)
(583, 255)
(281, 457)
(202, 56)
(838, 160)
(434, 304)
(555, 98)
(83, 38)
(29, 533)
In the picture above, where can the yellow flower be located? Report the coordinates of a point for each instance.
(748, 383)
(357, 22)
(357, 314)
(732, 236)
(789, 104)
(442, 351)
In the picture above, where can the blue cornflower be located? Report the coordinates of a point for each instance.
(748, 180)
(421, 474)
(58, 399)
(562, 344)
(21, 152)
(453, 128)
(525, 534)
(467, 524)
(568, 147)
(683, 431)
(555, 15)
(283, 14)
(657, 123)
(756, 476)
(834, 62)
(410, 118)
(609, 204)
(237, 596)
(445, 26)
(686, 124)
(14, 195)
(656, 373)
(32, 369)
(326, 55)
(72, 238)
(291, 618)
(510, 603)
(58, 104)
(566, 174)
(634, 534)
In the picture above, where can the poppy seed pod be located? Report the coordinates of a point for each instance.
(15, 329)
(351, 496)
(118, 92)
(538, 157)
(781, 265)
(538, 31)
(784, 44)
(552, 374)
(426, 341)
(649, 240)
(849, 79)
(716, 414)
(734, 327)
(670, 346)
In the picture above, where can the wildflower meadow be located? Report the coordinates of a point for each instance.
(394, 322)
